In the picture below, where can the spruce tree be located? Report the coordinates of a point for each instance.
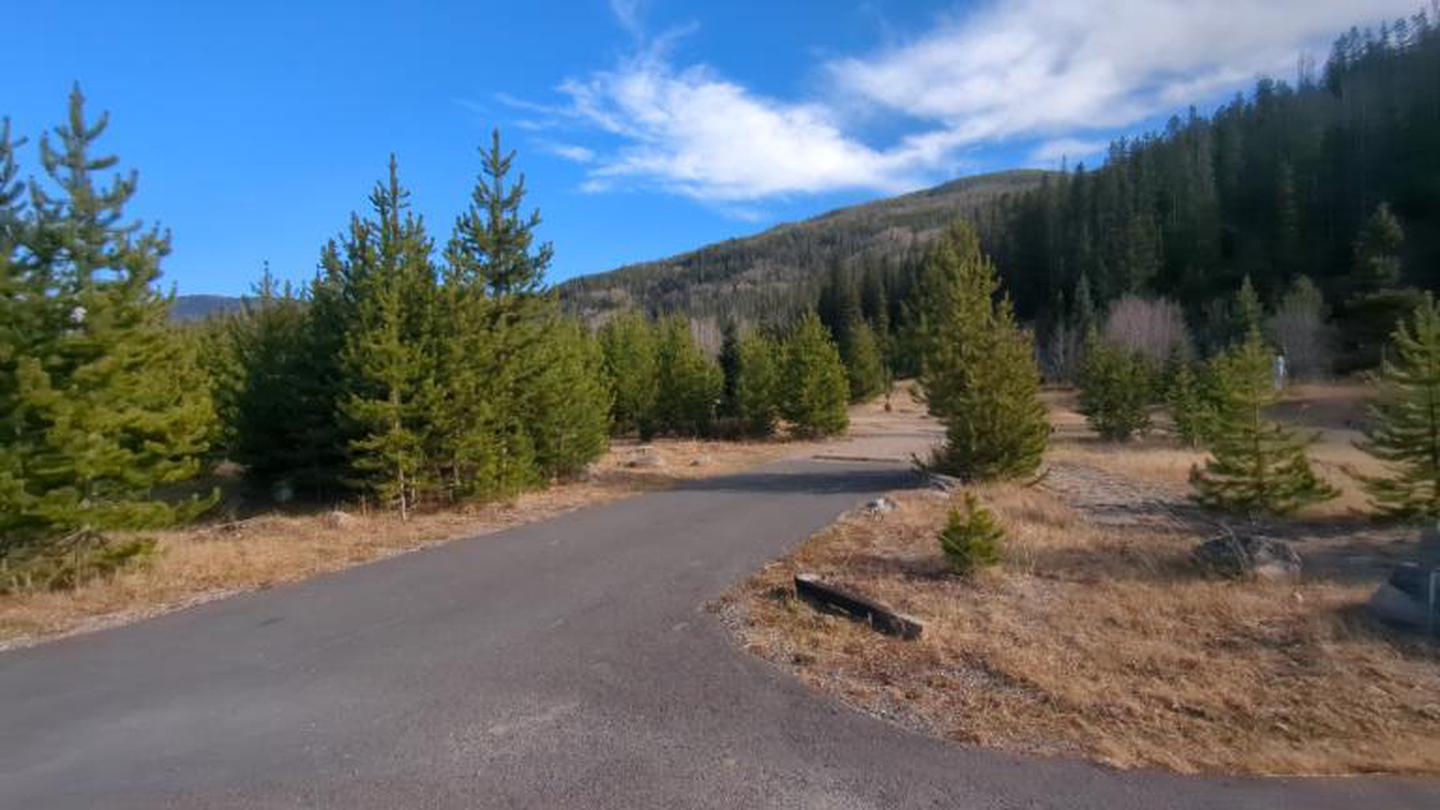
(493, 251)
(1115, 390)
(18, 327)
(628, 344)
(1405, 429)
(978, 371)
(971, 539)
(1256, 466)
(1189, 399)
(688, 383)
(729, 366)
(757, 384)
(569, 402)
(864, 365)
(109, 402)
(389, 370)
(1376, 251)
(814, 388)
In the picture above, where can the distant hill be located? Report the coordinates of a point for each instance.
(200, 307)
(772, 271)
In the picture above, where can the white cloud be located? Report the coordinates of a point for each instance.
(627, 13)
(1055, 76)
(695, 133)
(1072, 148)
(574, 152)
(1039, 68)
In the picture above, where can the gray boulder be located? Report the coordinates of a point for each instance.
(1247, 556)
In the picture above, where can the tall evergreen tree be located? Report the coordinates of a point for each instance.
(493, 247)
(1116, 386)
(1377, 251)
(688, 383)
(814, 388)
(729, 365)
(1256, 466)
(109, 404)
(389, 367)
(1405, 430)
(628, 344)
(978, 370)
(570, 401)
(757, 384)
(864, 364)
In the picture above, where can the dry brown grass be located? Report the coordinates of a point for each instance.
(1096, 639)
(213, 560)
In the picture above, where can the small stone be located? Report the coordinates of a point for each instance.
(880, 506)
(699, 461)
(338, 519)
(1247, 556)
(645, 457)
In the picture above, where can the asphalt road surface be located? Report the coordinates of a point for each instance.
(569, 663)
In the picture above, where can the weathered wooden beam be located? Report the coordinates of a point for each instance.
(833, 599)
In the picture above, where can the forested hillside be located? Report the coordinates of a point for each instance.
(1333, 178)
(778, 272)
(1336, 178)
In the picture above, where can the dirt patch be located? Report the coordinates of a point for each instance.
(1095, 638)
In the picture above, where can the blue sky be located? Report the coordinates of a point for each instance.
(645, 127)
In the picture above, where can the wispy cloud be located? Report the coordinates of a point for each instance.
(1072, 148)
(627, 13)
(1055, 77)
(573, 152)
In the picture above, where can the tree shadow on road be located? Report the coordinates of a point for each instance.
(811, 479)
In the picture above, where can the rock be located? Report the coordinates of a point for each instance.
(338, 519)
(1404, 599)
(880, 506)
(1247, 556)
(699, 461)
(645, 457)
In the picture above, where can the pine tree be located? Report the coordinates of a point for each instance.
(971, 539)
(688, 383)
(1256, 466)
(864, 365)
(1249, 312)
(1190, 402)
(729, 366)
(1115, 390)
(1405, 433)
(1376, 251)
(978, 370)
(813, 385)
(493, 250)
(109, 401)
(569, 403)
(757, 384)
(389, 370)
(628, 344)
(18, 327)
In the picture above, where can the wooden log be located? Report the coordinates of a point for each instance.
(833, 599)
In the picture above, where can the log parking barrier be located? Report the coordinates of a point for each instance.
(834, 599)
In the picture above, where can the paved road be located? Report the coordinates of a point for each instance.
(563, 664)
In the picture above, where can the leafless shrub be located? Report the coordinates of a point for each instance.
(1299, 330)
(1061, 353)
(1153, 327)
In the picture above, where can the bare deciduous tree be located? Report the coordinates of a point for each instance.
(1152, 327)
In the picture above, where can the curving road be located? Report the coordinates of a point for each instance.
(562, 664)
